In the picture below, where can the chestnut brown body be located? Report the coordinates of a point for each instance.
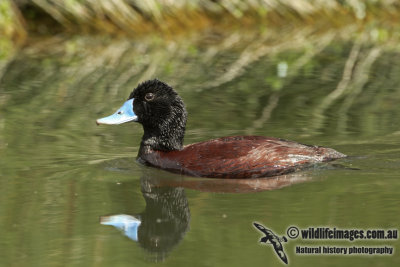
(240, 157)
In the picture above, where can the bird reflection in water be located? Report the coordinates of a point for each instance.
(162, 224)
(165, 220)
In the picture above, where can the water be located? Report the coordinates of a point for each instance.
(61, 174)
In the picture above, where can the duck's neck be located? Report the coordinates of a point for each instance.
(162, 140)
(164, 132)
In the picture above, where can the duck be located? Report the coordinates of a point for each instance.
(162, 113)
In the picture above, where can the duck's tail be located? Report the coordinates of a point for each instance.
(331, 154)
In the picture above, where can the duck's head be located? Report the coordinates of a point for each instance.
(160, 110)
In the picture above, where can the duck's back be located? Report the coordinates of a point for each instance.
(240, 157)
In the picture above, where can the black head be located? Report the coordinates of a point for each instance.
(160, 110)
(162, 113)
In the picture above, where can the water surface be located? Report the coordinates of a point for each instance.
(60, 173)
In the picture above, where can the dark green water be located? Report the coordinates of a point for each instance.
(59, 172)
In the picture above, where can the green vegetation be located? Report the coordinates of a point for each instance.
(132, 17)
(12, 29)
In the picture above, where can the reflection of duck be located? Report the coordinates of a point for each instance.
(274, 240)
(230, 185)
(162, 224)
(165, 220)
(162, 113)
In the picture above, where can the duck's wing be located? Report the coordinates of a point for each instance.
(241, 157)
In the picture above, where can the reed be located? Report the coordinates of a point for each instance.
(12, 28)
(132, 17)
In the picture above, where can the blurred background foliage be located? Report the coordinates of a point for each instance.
(132, 17)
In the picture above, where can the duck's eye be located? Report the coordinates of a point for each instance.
(149, 96)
